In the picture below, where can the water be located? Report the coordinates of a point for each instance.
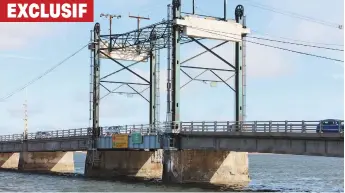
(267, 171)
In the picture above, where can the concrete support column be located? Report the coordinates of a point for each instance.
(205, 166)
(59, 162)
(138, 164)
(9, 160)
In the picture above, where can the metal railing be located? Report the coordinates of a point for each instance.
(14, 137)
(215, 126)
(128, 129)
(61, 133)
(259, 126)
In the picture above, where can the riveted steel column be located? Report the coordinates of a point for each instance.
(170, 139)
(96, 85)
(152, 89)
(239, 11)
(176, 65)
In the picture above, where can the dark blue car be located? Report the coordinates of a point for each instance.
(330, 126)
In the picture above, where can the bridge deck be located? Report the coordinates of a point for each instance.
(267, 137)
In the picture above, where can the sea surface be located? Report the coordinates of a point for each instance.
(268, 172)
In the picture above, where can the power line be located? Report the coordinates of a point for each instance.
(41, 76)
(286, 38)
(276, 47)
(296, 15)
(298, 52)
(292, 43)
(296, 40)
(273, 40)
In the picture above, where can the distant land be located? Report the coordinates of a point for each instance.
(81, 152)
(84, 152)
(258, 153)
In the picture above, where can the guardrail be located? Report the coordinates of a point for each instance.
(128, 129)
(215, 126)
(14, 137)
(61, 133)
(260, 126)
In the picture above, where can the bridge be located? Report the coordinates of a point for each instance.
(143, 142)
(282, 137)
(176, 151)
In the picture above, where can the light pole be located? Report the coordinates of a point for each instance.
(110, 16)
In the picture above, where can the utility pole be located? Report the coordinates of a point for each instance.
(110, 16)
(25, 115)
(138, 19)
(138, 25)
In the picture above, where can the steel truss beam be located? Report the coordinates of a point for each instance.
(212, 52)
(125, 67)
(122, 83)
(212, 70)
(97, 81)
(142, 38)
(156, 36)
(237, 67)
(127, 83)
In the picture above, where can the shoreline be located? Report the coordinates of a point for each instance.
(257, 153)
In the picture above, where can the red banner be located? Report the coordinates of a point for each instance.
(46, 10)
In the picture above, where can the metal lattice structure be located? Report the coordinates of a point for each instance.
(146, 41)
(142, 39)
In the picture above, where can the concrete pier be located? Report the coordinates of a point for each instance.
(138, 164)
(206, 166)
(57, 162)
(9, 160)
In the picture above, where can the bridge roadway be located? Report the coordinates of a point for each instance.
(282, 137)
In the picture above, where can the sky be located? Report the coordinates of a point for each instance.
(280, 85)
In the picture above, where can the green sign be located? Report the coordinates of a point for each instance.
(137, 138)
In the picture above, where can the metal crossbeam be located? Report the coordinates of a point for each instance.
(123, 84)
(121, 93)
(211, 51)
(142, 78)
(143, 38)
(126, 67)
(204, 80)
(117, 82)
(222, 80)
(204, 68)
(138, 93)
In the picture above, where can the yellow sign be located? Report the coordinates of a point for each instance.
(120, 141)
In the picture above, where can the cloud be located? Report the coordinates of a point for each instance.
(338, 77)
(19, 57)
(266, 62)
(144, 5)
(19, 35)
(320, 34)
(261, 61)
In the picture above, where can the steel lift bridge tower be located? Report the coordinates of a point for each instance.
(142, 45)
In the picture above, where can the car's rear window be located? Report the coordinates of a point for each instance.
(329, 122)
